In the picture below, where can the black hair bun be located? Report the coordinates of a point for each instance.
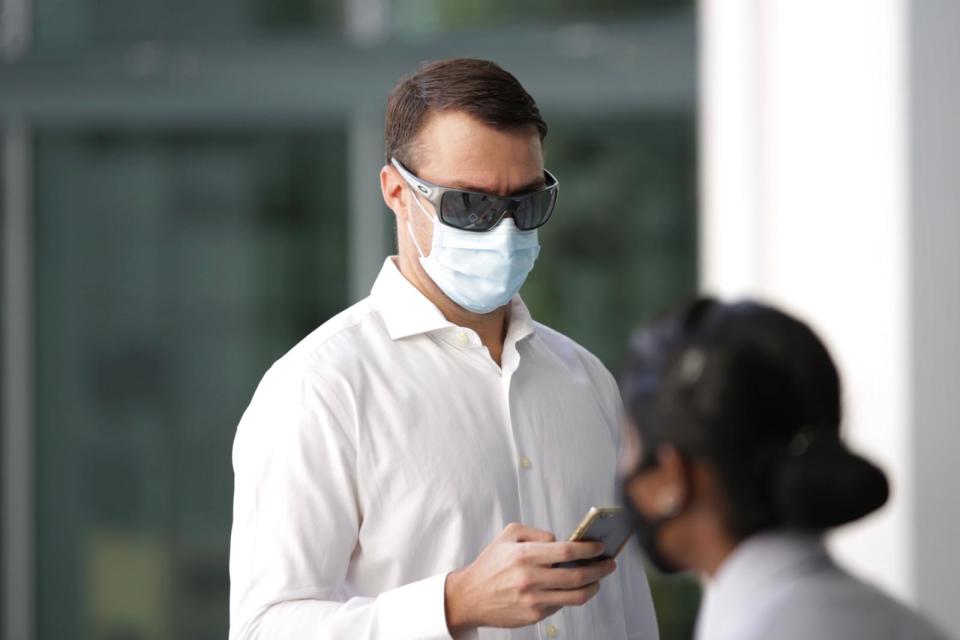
(822, 484)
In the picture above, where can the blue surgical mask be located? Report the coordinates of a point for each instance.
(479, 270)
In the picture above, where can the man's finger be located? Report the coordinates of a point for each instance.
(520, 533)
(569, 597)
(556, 552)
(576, 577)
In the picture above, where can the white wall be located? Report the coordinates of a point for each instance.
(809, 190)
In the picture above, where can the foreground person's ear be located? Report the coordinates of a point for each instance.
(394, 192)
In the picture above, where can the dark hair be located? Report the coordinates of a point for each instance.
(479, 88)
(753, 393)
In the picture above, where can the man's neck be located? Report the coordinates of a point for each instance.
(490, 327)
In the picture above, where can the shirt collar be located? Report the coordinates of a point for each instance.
(755, 563)
(407, 312)
(521, 322)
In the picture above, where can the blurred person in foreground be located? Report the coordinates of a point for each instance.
(733, 467)
(402, 471)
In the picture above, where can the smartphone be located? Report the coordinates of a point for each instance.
(609, 525)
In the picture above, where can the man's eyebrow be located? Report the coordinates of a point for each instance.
(533, 185)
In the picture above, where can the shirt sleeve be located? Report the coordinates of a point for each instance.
(296, 521)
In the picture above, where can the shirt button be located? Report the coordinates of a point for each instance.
(463, 339)
(552, 631)
(525, 463)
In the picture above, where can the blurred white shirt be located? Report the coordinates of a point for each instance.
(388, 449)
(785, 586)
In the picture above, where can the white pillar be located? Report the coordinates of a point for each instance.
(16, 391)
(369, 221)
(731, 149)
(829, 176)
(16, 28)
(935, 301)
(17, 533)
(805, 204)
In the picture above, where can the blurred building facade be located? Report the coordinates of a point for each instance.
(189, 188)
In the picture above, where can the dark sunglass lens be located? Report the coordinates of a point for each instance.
(470, 211)
(534, 210)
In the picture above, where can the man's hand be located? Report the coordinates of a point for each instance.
(512, 583)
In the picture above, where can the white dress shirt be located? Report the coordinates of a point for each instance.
(785, 586)
(388, 449)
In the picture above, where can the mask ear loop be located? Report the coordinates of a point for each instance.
(410, 229)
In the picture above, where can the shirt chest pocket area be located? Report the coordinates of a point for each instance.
(438, 456)
(570, 433)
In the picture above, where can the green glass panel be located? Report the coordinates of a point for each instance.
(622, 243)
(58, 24)
(440, 15)
(172, 268)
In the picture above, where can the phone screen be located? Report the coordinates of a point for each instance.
(609, 525)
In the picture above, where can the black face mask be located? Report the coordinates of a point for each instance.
(646, 530)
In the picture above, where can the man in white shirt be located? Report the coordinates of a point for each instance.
(403, 471)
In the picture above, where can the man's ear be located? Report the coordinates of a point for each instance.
(393, 189)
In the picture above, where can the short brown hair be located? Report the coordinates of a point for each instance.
(480, 88)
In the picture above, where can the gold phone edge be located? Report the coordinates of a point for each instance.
(592, 515)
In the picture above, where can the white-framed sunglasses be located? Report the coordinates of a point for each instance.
(476, 211)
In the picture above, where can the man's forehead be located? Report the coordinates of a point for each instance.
(489, 186)
(459, 151)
